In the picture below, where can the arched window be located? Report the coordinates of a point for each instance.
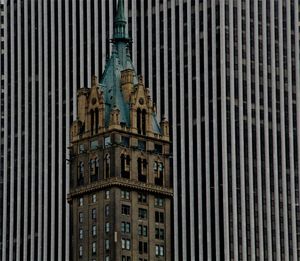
(80, 178)
(144, 122)
(125, 166)
(107, 166)
(139, 120)
(158, 168)
(96, 120)
(92, 121)
(142, 170)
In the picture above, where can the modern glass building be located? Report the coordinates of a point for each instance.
(225, 74)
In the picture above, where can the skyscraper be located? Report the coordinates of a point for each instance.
(225, 73)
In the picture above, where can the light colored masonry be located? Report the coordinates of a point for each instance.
(120, 190)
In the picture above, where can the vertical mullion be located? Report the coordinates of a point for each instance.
(26, 132)
(190, 131)
(46, 145)
(60, 130)
(215, 131)
(291, 133)
(198, 120)
(174, 127)
(274, 133)
(207, 144)
(19, 148)
(282, 130)
(233, 134)
(166, 82)
(258, 129)
(249, 130)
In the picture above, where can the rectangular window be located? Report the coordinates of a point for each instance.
(141, 145)
(158, 148)
(81, 148)
(125, 227)
(94, 144)
(107, 258)
(80, 251)
(106, 244)
(80, 217)
(80, 203)
(142, 198)
(159, 250)
(159, 202)
(125, 210)
(125, 141)
(80, 233)
(142, 213)
(107, 194)
(143, 247)
(94, 230)
(142, 230)
(125, 194)
(94, 248)
(125, 243)
(94, 198)
(159, 217)
(107, 227)
(107, 142)
(107, 210)
(159, 233)
(93, 213)
(126, 258)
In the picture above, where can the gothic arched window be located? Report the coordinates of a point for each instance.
(142, 170)
(107, 166)
(80, 178)
(92, 121)
(125, 166)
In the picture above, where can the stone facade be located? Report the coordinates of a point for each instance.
(120, 181)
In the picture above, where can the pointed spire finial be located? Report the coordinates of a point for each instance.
(94, 81)
(120, 23)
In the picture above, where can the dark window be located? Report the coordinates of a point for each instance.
(159, 217)
(142, 213)
(142, 198)
(125, 166)
(125, 210)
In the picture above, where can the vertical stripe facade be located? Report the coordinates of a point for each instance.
(225, 74)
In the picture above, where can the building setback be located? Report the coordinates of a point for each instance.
(226, 75)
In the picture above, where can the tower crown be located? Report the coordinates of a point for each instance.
(120, 24)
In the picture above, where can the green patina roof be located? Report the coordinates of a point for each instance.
(111, 79)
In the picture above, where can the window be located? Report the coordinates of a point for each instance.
(107, 166)
(158, 148)
(125, 166)
(159, 202)
(94, 169)
(142, 230)
(81, 148)
(143, 247)
(93, 213)
(125, 194)
(107, 142)
(142, 198)
(126, 258)
(126, 244)
(107, 194)
(94, 248)
(141, 145)
(125, 141)
(107, 210)
(125, 210)
(106, 244)
(80, 251)
(142, 213)
(80, 180)
(107, 258)
(159, 250)
(94, 198)
(94, 144)
(159, 217)
(142, 170)
(107, 227)
(141, 121)
(94, 230)
(125, 227)
(158, 169)
(159, 233)
(80, 233)
(80, 217)
(80, 201)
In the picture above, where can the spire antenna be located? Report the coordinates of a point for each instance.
(120, 23)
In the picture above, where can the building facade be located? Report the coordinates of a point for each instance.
(120, 191)
(225, 74)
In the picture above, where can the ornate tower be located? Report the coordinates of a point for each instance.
(121, 193)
